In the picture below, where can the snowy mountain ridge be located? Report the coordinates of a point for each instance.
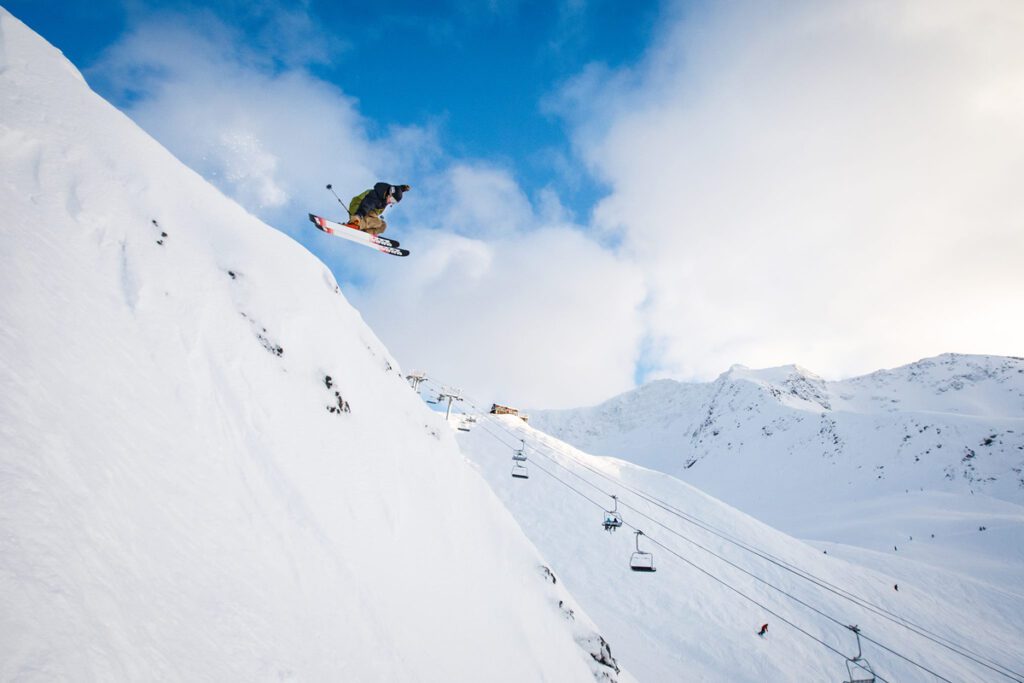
(985, 388)
(210, 467)
(794, 450)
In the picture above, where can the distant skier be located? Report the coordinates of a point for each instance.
(764, 630)
(366, 208)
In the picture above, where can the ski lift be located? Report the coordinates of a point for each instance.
(415, 378)
(463, 425)
(641, 561)
(857, 667)
(451, 394)
(612, 518)
(519, 455)
(518, 458)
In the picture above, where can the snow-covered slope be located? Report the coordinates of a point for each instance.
(210, 469)
(695, 618)
(926, 459)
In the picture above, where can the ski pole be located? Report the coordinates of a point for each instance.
(329, 187)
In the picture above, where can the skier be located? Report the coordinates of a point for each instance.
(763, 631)
(366, 208)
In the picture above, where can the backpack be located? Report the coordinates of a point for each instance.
(353, 205)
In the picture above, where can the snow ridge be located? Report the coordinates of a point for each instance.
(210, 467)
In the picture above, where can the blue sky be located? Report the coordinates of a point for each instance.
(479, 75)
(606, 192)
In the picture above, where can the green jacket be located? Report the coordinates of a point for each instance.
(353, 206)
(374, 201)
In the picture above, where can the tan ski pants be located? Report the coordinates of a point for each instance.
(374, 225)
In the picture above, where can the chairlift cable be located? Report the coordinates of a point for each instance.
(729, 586)
(900, 621)
(672, 552)
(825, 585)
(796, 571)
(692, 564)
(756, 602)
(698, 545)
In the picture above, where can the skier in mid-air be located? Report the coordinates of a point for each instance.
(366, 208)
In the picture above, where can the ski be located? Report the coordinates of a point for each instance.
(388, 246)
(332, 227)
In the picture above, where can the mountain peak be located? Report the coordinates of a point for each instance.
(784, 383)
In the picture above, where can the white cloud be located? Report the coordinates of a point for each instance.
(480, 200)
(834, 184)
(502, 296)
(269, 136)
(545, 318)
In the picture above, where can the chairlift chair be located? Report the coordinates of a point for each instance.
(860, 671)
(612, 518)
(641, 561)
(463, 425)
(519, 471)
(519, 455)
(858, 668)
